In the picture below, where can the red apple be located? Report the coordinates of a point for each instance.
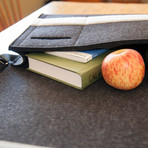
(123, 69)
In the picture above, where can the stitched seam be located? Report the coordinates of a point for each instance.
(26, 36)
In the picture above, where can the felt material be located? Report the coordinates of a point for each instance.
(88, 20)
(40, 111)
(80, 37)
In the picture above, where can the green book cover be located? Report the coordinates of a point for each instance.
(75, 74)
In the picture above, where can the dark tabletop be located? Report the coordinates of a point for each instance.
(38, 110)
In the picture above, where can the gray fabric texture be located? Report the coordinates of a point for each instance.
(40, 111)
(81, 37)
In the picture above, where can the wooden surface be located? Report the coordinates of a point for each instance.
(83, 0)
(98, 8)
(126, 1)
(40, 111)
(117, 1)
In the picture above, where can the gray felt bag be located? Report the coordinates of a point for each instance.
(82, 32)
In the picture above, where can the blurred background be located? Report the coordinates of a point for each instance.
(12, 11)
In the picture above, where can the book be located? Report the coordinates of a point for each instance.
(80, 56)
(72, 73)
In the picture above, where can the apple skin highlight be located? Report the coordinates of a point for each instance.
(123, 69)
